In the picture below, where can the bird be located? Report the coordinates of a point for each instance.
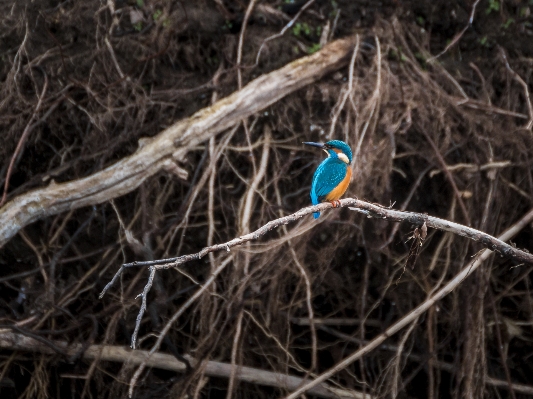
(332, 177)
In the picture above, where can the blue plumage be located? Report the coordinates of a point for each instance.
(332, 176)
(327, 176)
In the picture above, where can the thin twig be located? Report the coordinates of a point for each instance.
(239, 75)
(308, 301)
(367, 208)
(59, 254)
(500, 345)
(241, 40)
(398, 360)
(27, 130)
(458, 36)
(347, 91)
(144, 296)
(114, 58)
(524, 85)
(282, 32)
(449, 176)
(375, 100)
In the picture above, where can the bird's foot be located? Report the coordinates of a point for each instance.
(336, 203)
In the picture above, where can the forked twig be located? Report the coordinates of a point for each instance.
(369, 209)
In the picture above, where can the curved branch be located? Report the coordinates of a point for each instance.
(371, 210)
(367, 208)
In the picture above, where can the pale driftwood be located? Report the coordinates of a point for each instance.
(15, 341)
(171, 144)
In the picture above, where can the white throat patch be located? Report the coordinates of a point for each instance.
(343, 158)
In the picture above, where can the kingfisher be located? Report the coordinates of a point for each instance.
(332, 177)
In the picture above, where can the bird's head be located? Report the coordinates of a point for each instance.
(335, 149)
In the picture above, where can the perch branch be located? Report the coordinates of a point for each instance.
(173, 143)
(371, 210)
(14, 341)
(367, 208)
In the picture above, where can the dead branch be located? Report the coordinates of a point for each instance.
(367, 208)
(371, 210)
(172, 144)
(20, 342)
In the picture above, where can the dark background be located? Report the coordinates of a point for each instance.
(404, 115)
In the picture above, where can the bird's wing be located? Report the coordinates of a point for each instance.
(328, 175)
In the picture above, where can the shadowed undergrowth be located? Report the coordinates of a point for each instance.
(87, 84)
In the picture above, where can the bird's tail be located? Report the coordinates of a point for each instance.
(315, 201)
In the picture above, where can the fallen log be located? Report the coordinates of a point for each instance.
(113, 353)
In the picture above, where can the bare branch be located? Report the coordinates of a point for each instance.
(371, 210)
(367, 208)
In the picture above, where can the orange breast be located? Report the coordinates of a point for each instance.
(338, 191)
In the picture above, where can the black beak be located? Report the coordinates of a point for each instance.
(319, 145)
